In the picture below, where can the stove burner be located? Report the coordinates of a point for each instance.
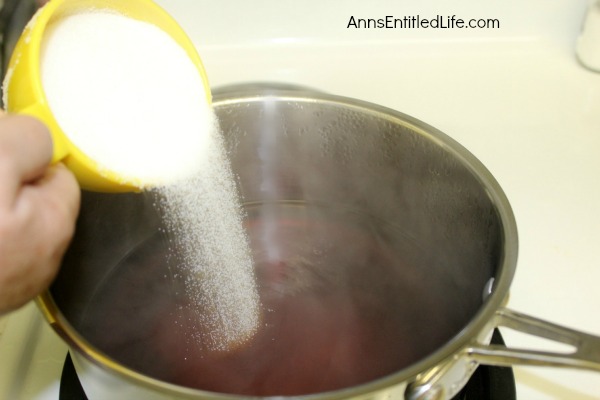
(487, 383)
(70, 387)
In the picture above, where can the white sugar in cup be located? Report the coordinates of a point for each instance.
(122, 132)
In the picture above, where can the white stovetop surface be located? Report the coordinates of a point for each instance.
(515, 97)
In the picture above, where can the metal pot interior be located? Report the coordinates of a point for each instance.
(373, 238)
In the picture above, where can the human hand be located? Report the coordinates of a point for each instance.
(38, 208)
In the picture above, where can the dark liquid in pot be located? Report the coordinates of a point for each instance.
(339, 308)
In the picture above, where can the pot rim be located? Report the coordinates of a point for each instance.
(479, 322)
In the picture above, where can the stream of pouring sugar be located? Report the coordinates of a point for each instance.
(103, 88)
(204, 219)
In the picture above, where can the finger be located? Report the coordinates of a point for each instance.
(25, 153)
(61, 192)
(28, 145)
(47, 210)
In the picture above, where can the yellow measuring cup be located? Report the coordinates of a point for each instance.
(24, 92)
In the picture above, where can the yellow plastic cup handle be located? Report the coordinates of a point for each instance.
(24, 93)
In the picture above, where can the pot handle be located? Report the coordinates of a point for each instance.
(446, 379)
(586, 353)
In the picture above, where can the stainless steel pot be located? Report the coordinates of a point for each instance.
(377, 240)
